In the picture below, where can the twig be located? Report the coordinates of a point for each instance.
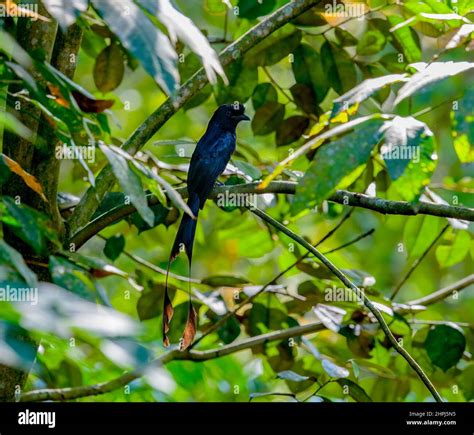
(416, 263)
(438, 295)
(351, 242)
(61, 394)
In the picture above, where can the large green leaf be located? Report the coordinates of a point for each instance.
(252, 9)
(445, 346)
(449, 255)
(274, 48)
(338, 67)
(418, 173)
(402, 139)
(354, 390)
(143, 39)
(12, 257)
(242, 82)
(429, 73)
(372, 42)
(66, 11)
(114, 246)
(71, 277)
(308, 70)
(333, 162)
(263, 93)
(267, 118)
(181, 27)
(463, 127)
(291, 129)
(130, 183)
(406, 40)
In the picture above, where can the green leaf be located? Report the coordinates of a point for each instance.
(333, 162)
(183, 28)
(304, 97)
(372, 42)
(445, 346)
(345, 38)
(150, 303)
(289, 375)
(267, 118)
(291, 129)
(242, 82)
(308, 70)
(65, 12)
(12, 257)
(114, 246)
(130, 183)
(229, 331)
(267, 314)
(190, 64)
(162, 215)
(143, 39)
(224, 281)
(263, 93)
(248, 169)
(338, 67)
(354, 390)
(274, 48)
(466, 382)
(333, 370)
(311, 17)
(462, 127)
(403, 137)
(418, 234)
(33, 227)
(109, 68)
(428, 74)
(450, 255)
(71, 277)
(252, 9)
(418, 173)
(406, 40)
(363, 91)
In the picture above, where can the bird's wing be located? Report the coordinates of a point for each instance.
(207, 163)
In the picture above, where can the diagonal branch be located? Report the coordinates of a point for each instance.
(60, 394)
(105, 180)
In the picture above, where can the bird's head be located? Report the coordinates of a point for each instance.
(229, 115)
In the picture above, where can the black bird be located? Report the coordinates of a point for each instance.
(209, 160)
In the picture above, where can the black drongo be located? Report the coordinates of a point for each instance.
(209, 160)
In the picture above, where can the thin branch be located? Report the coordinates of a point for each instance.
(351, 242)
(106, 179)
(61, 394)
(367, 302)
(417, 262)
(343, 197)
(438, 295)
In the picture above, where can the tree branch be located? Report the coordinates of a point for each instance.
(344, 197)
(60, 394)
(437, 296)
(105, 180)
(361, 295)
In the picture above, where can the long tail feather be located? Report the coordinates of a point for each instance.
(184, 241)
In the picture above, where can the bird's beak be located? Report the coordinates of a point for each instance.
(243, 118)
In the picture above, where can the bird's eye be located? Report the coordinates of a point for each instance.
(228, 113)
